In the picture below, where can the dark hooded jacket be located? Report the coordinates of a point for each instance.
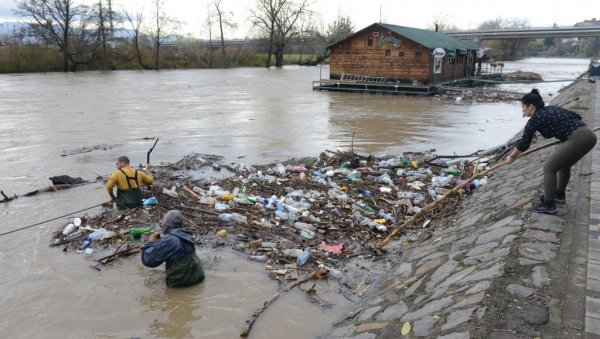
(176, 248)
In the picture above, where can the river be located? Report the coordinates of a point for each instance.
(251, 115)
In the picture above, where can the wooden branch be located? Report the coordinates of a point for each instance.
(316, 274)
(122, 253)
(6, 198)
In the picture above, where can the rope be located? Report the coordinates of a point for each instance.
(43, 222)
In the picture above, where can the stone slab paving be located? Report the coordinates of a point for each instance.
(496, 270)
(592, 304)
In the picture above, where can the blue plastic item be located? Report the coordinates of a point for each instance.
(97, 234)
(150, 201)
(320, 175)
(303, 258)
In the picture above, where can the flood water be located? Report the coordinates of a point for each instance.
(246, 115)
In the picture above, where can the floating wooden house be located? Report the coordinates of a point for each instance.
(390, 58)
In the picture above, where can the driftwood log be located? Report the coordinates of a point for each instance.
(316, 274)
(59, 182)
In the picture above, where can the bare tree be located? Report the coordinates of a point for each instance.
(278, 19)
(162, 28)
(59, 23)
(223, 18)
(441, 23)
(336, 31)
(135, 21)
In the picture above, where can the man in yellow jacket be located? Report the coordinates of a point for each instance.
(128, 181)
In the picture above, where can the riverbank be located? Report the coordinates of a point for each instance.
(496, 270)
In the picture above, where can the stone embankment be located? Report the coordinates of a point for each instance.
(496, 270)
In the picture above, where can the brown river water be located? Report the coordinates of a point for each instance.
(246, 115)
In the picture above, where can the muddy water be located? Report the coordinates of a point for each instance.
(246, 115)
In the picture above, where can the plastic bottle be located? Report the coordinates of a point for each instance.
(170, 193)
(292, 252)
(304, 226)
(235, 217)
(440, 181)
(137, 232)
(452, 171)
(280, 169)
(258, 258)
(320, 175)
(97, 234)
(150, 201)
(303, 258)
(306, 233)
(68, 229)
(73, 235)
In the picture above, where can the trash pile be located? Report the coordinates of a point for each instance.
(293, 215)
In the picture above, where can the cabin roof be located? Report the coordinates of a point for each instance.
(427, 38)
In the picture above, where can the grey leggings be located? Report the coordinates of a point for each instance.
(580, 142)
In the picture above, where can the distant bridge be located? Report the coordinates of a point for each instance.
(526, 33)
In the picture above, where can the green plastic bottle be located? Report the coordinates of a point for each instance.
(137, 232)
(452, 171)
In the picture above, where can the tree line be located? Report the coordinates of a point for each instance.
(69, 35)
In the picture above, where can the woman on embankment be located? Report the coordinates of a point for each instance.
(576, 140)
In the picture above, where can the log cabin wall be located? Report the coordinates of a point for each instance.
(365, 55)
(378, 51)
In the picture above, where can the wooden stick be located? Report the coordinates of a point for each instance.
(456, 189)
(194, 194)
(125, 252)
(6, 198)
(316, 274)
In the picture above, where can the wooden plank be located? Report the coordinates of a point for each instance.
(292, 273)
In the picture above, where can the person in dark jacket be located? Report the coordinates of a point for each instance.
(576, 140)
(177, 249)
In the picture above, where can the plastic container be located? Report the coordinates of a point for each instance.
(97, 234)
(137, 232)
(319, 175)
(258, 258)
(150, 201)
(452, 171)
(170, 193)
(235, 217)
(292, 252)
(304, 226)
(303, 258)
(308, 234)
(70, 228)
(280, 169)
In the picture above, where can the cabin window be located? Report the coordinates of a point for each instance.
(369, 42)
(418, 55)
(401, 55)
(388, 53)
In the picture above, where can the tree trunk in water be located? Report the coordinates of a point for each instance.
(278, 58)
(157, 56)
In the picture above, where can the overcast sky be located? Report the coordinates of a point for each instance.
(465, 14)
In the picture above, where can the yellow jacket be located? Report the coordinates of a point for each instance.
(118, 179)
